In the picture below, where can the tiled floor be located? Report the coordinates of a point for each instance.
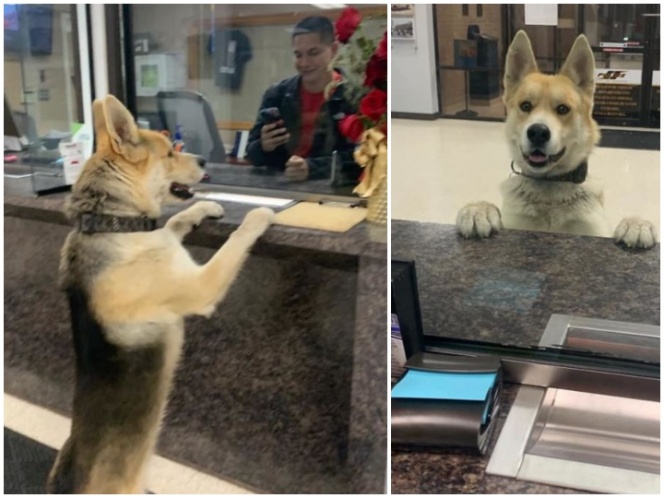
(51, 429)
(439, 166)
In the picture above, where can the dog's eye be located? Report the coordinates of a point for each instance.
(170, 153)
(526, 106)
(562, 109)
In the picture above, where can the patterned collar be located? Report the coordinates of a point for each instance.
(104, 223)
(577, 175)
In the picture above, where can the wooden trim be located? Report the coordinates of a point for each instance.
(281, 19)
(234, 125)
(415, 115)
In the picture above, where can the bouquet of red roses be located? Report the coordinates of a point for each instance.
(367, 63)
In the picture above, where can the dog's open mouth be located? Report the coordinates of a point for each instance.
(538, 159)
(181, 191)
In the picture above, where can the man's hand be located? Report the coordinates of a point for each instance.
(297, 169)
(273, 135)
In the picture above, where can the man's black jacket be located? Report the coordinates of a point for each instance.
(327, 138)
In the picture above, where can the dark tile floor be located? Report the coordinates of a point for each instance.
(27, 464)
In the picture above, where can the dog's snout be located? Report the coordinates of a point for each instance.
(538, 134)
(201, 161)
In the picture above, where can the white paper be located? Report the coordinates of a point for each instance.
(73, 160)
(244, 141)
(541, 14)
(13, 144)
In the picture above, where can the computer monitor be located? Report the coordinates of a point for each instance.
(14, 138)
(406, 305)
(11, 129)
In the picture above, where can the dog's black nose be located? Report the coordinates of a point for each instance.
(201, 161)
(539, 134)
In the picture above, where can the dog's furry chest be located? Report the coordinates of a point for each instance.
(552, 206)
(105, 360)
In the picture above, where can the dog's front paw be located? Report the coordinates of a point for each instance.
(258, 220)
(635, 233)
(478, 219)
(209, 209)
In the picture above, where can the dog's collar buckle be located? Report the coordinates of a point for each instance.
(577, 175)
(103, 223)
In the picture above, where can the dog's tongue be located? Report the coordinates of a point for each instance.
(537, 157)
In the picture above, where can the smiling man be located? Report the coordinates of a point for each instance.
(300, 136)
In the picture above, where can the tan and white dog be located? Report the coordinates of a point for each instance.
(551, 134)
(130, 286)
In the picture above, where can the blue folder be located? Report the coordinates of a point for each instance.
(444, 385)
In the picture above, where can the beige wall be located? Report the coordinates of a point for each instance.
(43, 72)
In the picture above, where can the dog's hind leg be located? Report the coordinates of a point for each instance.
(182, 223)
(61, 477)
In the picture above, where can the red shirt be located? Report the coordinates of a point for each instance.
(310, 105)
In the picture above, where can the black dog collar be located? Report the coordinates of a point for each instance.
(104, 223)
(577, 175)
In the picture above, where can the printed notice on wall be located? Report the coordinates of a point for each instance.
(73, 158)
(617, 93)
(541, 14)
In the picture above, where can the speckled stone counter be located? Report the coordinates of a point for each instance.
(504, 289)
(281, 390)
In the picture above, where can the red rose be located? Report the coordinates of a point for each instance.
(381, 50)
(347, 24)
(351, 128)
(374, 104)
(376, 72)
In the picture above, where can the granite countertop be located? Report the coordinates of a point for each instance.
(365, 239)
(505, 288)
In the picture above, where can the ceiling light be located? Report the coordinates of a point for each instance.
(328, 6)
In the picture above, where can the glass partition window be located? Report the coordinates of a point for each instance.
(470, 60)
(472, 41)
(43, 93)
(214, 74)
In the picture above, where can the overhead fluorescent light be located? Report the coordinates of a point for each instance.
(244, 199)
(329, 6)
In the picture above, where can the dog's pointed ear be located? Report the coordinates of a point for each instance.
(120, 124)
(519, 63)
(99, 117)
(580, 66)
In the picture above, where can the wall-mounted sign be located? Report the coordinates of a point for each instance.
(617, 93)
(403, 10)
(626, 44)
(618, 76)
(403, 28)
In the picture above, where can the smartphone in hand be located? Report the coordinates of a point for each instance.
(270, 115)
